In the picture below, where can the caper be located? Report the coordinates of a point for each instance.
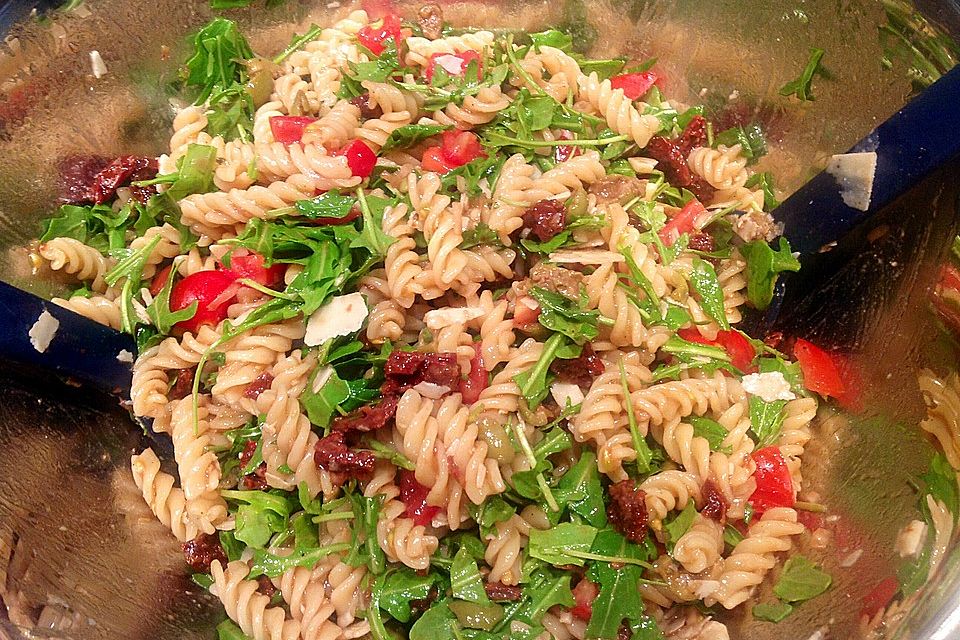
(577, 204)
(477, 616)
(498, 442)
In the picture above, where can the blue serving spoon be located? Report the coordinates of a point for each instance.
(908, 147)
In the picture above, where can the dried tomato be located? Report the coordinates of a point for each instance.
(414, 496)
(182, 384)
(332, 454)
(76, 176)
(367, 418)
(701, 242)
(502, 592)
(581, 370)
(120, 172)
(406, 369)
(257, 386)
(367, 111)
(203, 550)
(627, 510)
(715, 505)
(545, 219)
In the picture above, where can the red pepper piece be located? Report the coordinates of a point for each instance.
(583, 595)
(634, 85)
(374, 36)
(879, 597)
(774, 484)
(289, 129)
(739, 349)
(414, 496)
(455, 64)
(820, 372)
(360, 158)
(460, 147)
(212, 290)
(159, 280)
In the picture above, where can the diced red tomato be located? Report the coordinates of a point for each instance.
(455, 64)
(360, 158)
(414, 496)
(820, 372)
(456, 149)
(583, 596)
(251, 266)
(460, 147)
(212, 290)
(374, 36)
(433, 160)
(879, 597)
(739, 349)
(524, 316)
(477, 380)
(159, 280)
(812, 521)
(565, 152)
(289, 129)
(350, 217)
(774, 485)
(683, 222)
(634, 85)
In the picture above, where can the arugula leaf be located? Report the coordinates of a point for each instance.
(711, 431)
(365, 548)
(765, 182)
(546, 247)
(802, 86)
(159, 310)
(619, 597)
(564, 315)
(371, 236)
(379, 69)
(331, 204)
(216, 63)
(411, 134)
(772, 611)
(493, 510)
(763, 265)
(297, 42)
(940, 481)
(400, 587)
(552, 545)
(227, 630)
(581, 490)
(533, 382)
(801, 580)
(679, 525)
(259, 517)
(552, 38)
(270, 565)
(231, 546)
(705, 283)
(753, 144)
(480, 235)
(483, 169)
(550, 592)
(322, 405)
(194, 172)
(436, 622)
(766, 418)
(732, 536)
(465, 581)
(695, 353)
(230, 113)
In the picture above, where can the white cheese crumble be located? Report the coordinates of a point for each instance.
(43, 330)
(440, 318)
(578, 256)
(768, 386)
(854, 173)
(564, 392)
(125, 356)
(97, 64)
(911, 538)
(341, 316)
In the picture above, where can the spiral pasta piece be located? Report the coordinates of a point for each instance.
(700, 547)
(166, 501)
(618, 110)
(401, 539)
(420, 49)
(77, 259)
(247, 607)
(198, 467)
(97, 308)
(723, 167)
(476, 110)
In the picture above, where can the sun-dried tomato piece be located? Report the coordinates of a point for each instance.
(247, 454)
(265, 586)
(701, 242)
(367, 418)
(118, 173)
(695, 135)
(699, 187)
(414, 496)
(715, 505)
(203, 550)
(581, 370)
(182, 384)
(258, 385)
(367, 111)
(627, 510)
(76, 176)
(332, 454)
(545, 218)
(502, 592)
(405, 369)
(256, 480)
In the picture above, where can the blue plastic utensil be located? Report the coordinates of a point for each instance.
(81, 349)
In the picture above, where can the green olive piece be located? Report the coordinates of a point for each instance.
(477, 616)
(577, 204)
(493, 433)
(260, 84)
